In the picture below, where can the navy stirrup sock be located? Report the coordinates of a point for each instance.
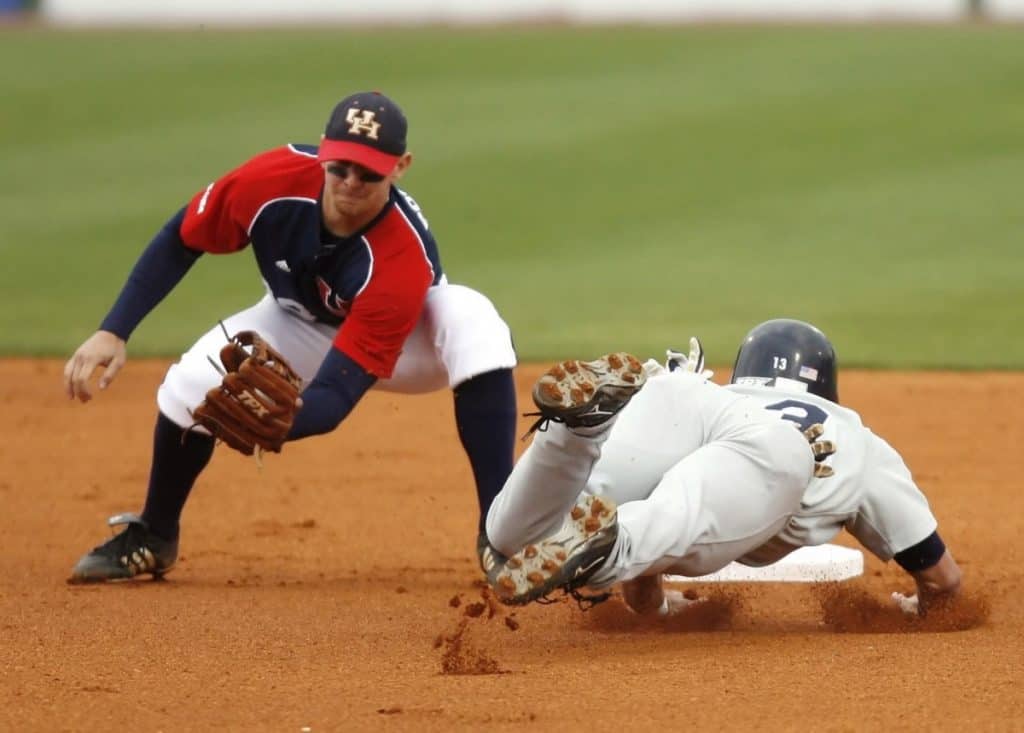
(485, 415)
(178, 459)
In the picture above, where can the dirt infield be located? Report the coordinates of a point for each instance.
(336, 588)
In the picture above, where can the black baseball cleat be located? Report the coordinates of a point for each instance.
(566, 560)
(133, 551)
(588, 393)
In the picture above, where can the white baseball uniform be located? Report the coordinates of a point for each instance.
(705, 475)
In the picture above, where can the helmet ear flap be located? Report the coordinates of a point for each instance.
(785, 351)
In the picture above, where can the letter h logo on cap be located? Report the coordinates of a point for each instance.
(362, 120)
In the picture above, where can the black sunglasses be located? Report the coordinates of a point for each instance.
(341, 170)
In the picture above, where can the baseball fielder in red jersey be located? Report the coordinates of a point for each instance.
(355, 298)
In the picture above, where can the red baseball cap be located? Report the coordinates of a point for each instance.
(366, 128)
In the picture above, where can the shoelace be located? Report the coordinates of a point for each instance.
(540, 425)
(587, 601)
(118, 544)
(583, 600)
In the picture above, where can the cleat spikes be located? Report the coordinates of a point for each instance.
(588, 393)
(565, 560)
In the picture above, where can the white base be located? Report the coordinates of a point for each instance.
(823, 563)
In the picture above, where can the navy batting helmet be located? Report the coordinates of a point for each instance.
(784, 349)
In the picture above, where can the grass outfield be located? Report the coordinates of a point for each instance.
(608, 188)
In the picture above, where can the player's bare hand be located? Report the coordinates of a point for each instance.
(104, 349)
(676, 601)
(821, 449)
(646, 596)
(907, 604)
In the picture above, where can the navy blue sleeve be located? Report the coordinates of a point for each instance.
(338, 385)
(923, 555)
(162, 266)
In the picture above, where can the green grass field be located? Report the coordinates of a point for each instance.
(607, 188)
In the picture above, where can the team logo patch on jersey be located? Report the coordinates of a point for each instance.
(331, 300)
(362, 121)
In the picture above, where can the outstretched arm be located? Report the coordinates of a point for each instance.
(160, 267)
(935, 573)
(646, 596)
(938, 583)
(327, 400)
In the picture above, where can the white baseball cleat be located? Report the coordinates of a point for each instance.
(588, 393)
(567, 559)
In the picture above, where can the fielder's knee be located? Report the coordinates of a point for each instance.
(471, 336)
(184, 387)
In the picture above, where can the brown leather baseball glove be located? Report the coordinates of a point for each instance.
(255, 404)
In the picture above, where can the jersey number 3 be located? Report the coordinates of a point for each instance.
(801, 413)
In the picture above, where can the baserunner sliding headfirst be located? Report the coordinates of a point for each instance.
(641, 470)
